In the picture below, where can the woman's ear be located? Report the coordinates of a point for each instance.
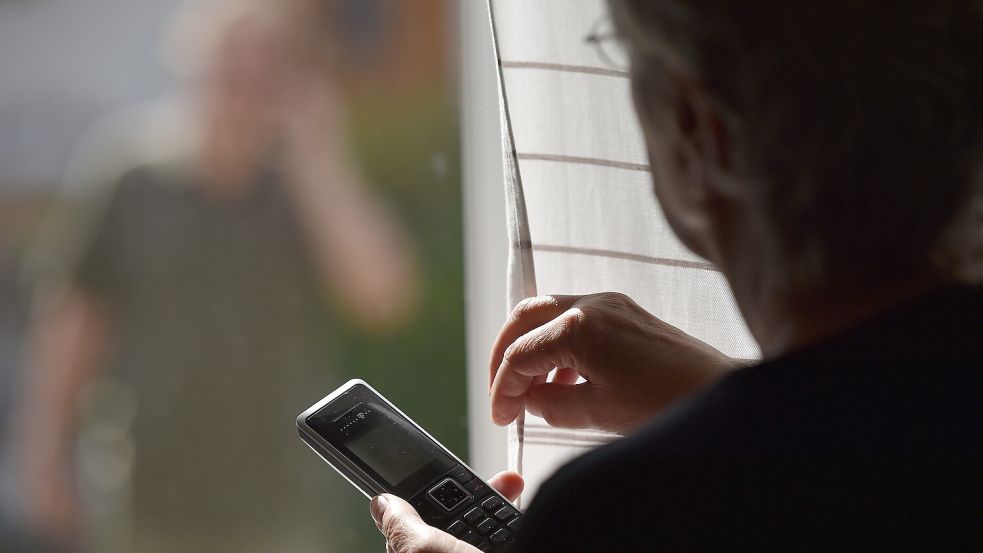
(701, 124)
(688, 147)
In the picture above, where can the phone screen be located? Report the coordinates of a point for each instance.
(390, 448)
(380, 441)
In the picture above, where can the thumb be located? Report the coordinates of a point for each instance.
(508, 483)
(405, 531)
(566, 405)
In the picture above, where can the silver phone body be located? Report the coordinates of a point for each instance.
(351, 472)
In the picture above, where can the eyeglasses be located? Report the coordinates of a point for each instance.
(608, 44)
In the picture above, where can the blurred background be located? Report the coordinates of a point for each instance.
(212, 213)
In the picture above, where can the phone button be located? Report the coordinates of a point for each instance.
(473, 515)
(477, 486)
(472, 538)
(448, 494)
(457, 529)
(504, 513)
(461, 474)
(499, 537)
(492, 504)
(486, 525)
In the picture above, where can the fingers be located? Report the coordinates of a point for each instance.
(566, 375)
(405, 531)
(400, 523)
(508, 483)
(527, 315)
(566, 405)
(533, 355)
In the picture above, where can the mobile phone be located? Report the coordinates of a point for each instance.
(378, 449)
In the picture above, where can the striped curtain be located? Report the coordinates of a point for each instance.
(581, 213)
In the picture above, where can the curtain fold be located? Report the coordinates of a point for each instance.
(582, 217)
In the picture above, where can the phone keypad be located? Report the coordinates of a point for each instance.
(488, 524)
(469, 510)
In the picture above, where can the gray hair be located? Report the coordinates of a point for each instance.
(857, 124)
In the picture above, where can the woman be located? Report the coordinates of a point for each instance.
(828, 159)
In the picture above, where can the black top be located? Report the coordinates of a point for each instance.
(870, 441)
(217, 314)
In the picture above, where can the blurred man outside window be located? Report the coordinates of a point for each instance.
(176, 327)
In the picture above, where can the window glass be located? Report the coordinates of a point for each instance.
(211, 215)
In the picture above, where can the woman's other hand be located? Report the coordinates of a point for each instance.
(406, 532)
(634, 364)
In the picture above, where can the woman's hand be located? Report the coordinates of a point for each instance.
(634, 363)
(406, 532)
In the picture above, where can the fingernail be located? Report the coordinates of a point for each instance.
(378, 508)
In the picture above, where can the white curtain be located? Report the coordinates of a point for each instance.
(581, 213)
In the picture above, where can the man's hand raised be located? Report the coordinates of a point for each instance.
(634, 364)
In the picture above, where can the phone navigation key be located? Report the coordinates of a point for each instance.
(448, 494)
